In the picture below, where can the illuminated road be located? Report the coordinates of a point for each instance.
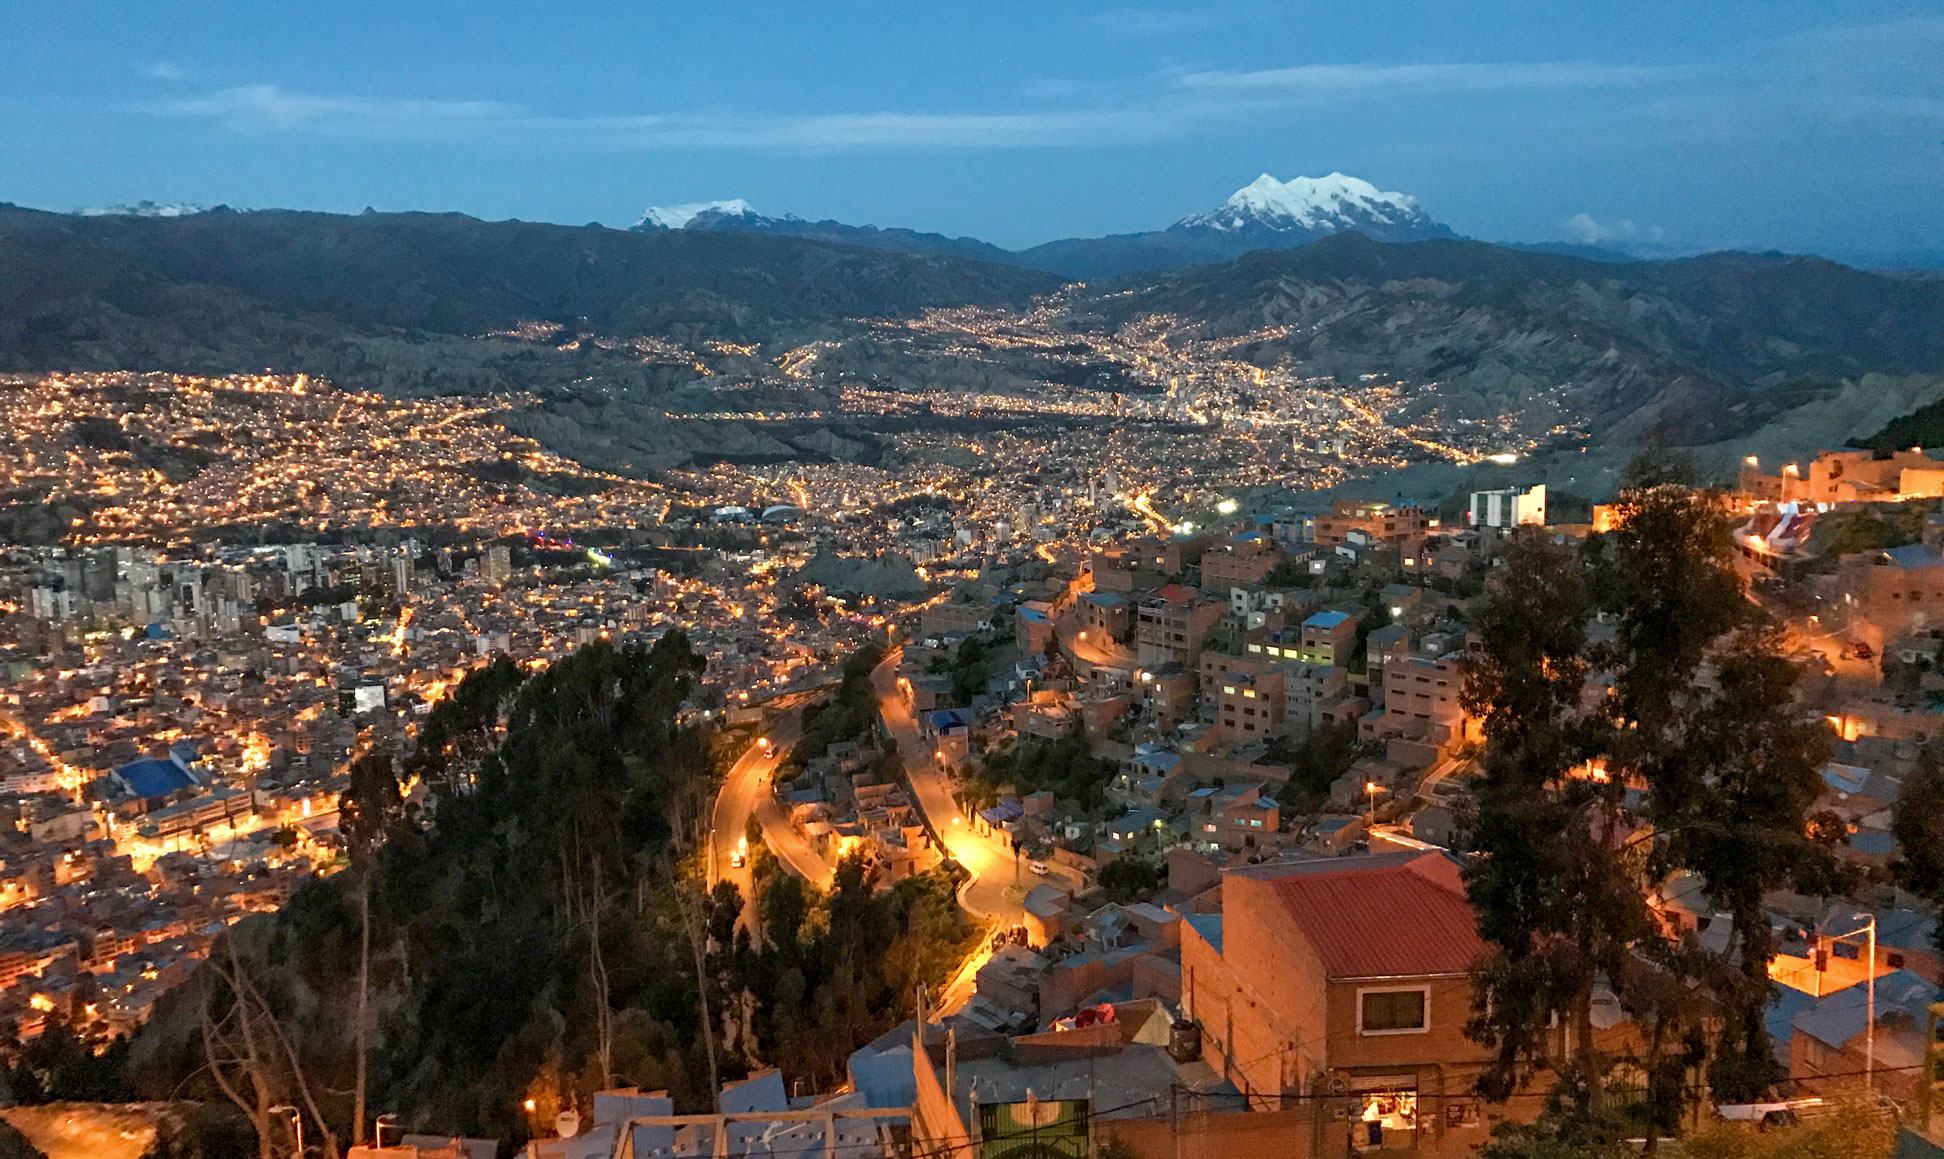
(745, 793)
(999, 881)
(1143, 507)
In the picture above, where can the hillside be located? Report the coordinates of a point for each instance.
(406, 301)
(1669, 346)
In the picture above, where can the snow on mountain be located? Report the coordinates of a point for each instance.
(1338, 201)
(140, 209)
(678, 216)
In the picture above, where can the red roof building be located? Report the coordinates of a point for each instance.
(1346, 980)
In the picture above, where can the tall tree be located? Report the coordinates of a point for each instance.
(367, 809)
(1553, 886)
(1918, 826)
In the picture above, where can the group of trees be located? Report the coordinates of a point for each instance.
(538, 931)
(810, 976)
(1670, 749)
(850, 714)
(1066, 767)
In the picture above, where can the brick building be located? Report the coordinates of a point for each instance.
(1382, 522)
(1347, 979)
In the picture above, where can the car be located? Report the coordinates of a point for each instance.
(1863, 651)
(1038, 867)
(738, 858)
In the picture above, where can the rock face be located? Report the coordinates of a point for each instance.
(849, 575)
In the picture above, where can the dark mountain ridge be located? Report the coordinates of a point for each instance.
(410, 303)
(1624, 346)
(226, 291)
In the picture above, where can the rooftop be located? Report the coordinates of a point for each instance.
(1401, 914)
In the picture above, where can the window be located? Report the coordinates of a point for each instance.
(1391, 1011)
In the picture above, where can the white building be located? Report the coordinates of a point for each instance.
(1509, 506)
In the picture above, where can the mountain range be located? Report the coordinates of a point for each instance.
(1264, 214)
(1691, 350)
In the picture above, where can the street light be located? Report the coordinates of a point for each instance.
(1371, 788)
(378, 1126)
(296, 1124)
(1869, 1027)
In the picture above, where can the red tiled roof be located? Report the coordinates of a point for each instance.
(1381, 916)
(1175, 594)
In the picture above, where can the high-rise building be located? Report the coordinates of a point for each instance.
(499, 563)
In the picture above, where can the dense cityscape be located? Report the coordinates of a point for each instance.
(752, 581)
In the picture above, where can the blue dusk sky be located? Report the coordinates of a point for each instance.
(1800, 126)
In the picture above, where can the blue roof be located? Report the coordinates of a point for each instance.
(945, 718)
(1105, 599)
(1837, 1018)
(1032, 615)
(150, 779)
(1914, 555)
(1003, 812)
(1326, 620)
(1209, 926)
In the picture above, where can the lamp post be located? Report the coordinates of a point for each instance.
(1370, 787)
(1869, 1026)
(296, 1124)
(378, 1126)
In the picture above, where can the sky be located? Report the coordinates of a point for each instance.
(1810, 127)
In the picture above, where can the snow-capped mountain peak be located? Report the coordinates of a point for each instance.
(1315, 204)
(678, 216)
(140, 209)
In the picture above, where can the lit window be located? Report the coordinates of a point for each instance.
(1391, 1011)
(1228, 689)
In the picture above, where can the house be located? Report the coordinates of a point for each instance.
(1421, 697)
(1239, 559)
(1892, 592)
(1829, 1044)
(1235, 818)
(1103, 617)
(1307, 688)
(1045, 912)
(1033, 627)
(1328, 638)
(1373, 522)
(1173, 622)
(1250, 706)
(1345, 980)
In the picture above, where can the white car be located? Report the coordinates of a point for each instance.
(1038, 867)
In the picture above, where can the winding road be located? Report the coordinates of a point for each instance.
(999, 881)
(746, 793)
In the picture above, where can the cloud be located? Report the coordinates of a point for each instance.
(163, 70)
(1598, 105)
(1419, 79)
(265, 108)
(1583, 228)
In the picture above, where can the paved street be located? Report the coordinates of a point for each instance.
(746, 792)
(999, 881)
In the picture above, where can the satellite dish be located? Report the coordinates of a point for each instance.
(1339, 1086)
(567, 1123)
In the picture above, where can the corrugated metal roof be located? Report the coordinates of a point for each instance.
(1388, 915)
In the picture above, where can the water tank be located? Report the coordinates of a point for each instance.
(1184, 1040)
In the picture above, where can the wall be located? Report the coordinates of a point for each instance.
(1260, 1002)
